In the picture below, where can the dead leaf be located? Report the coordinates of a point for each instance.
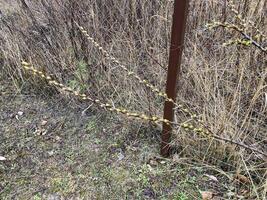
(241, 178)
(206, 195)
(44, 122)
(211, 177)
(58, 138)
(153, 162)
(40, 132)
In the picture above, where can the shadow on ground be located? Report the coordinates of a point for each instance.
(57, 150)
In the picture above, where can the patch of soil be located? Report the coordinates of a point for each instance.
(54, 150)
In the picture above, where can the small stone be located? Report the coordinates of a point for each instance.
(20, 113)
(2, 158)
(120, 156)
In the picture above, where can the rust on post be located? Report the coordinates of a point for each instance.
(176, 49)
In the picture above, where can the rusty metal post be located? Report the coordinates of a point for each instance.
(176, 49)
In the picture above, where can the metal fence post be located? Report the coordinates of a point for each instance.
(175, 57)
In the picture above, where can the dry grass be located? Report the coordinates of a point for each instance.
(226, 86)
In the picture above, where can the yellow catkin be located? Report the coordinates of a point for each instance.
(124, 111)
(153, 119)
(242, 28)
(243, 22)
(246, 42)
(130, 73)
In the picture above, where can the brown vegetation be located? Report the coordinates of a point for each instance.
(225, 85)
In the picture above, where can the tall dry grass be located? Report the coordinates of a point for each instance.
(226, 86)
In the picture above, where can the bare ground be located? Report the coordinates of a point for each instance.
(54, 150)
